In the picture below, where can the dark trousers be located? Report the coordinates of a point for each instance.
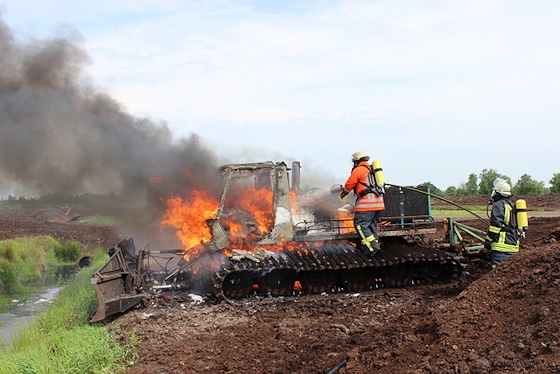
(497, 257)
(367, 221)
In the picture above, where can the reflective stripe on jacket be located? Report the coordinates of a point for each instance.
(503, 230)
(358, 182)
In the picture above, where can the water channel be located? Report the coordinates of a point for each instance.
(26, 306)
(23, 312)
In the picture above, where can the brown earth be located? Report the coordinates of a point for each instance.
(61, 223)
(504, 321)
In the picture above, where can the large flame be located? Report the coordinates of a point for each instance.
(256, 202)
(190, 217)
(246, 216)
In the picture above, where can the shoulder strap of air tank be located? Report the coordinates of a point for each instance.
(370, 171)
(513, 218)
(370, 186)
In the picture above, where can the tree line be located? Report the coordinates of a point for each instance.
(482, 184)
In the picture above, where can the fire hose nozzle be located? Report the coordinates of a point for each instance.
(337, 188)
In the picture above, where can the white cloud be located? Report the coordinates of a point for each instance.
(425, 77)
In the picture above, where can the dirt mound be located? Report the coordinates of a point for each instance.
(534, 202)
(506, 322)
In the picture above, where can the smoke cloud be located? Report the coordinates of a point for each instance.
(61, 135)
(58, 134)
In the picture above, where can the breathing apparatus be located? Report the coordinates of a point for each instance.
(502, 188)
(378, 176)
(522, 217)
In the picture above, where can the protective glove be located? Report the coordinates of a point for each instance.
(343, 194)
(488, 244)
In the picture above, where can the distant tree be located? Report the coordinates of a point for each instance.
(471, 187)
(450, 191)
(487, 177)
(528, 186)
(462, 189)
(433, 189)
(555, 183)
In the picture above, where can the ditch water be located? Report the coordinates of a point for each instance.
(24, 312)
(27, 306)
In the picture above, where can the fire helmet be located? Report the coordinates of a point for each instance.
(357, 156)
(502, 187)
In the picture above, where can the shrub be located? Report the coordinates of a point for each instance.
(8, 281)
(68, 252)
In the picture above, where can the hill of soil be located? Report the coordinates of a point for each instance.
(504, 321)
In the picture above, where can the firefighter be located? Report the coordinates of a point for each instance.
(502, 238)
(369, 202)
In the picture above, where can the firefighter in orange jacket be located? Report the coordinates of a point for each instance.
(369, 202)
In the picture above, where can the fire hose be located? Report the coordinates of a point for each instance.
(338, 367)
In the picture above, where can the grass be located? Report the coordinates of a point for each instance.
(24, 260)
(60, 340)
(99, 220)
(459, 213)
(33, 261)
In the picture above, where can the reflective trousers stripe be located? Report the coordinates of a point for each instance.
(503, 247)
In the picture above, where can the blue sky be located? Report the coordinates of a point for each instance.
(434, 89)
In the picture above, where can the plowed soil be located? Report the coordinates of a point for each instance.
(503, 321)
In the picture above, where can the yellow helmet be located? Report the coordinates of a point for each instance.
(357, 156)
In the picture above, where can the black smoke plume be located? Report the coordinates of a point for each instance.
(60, 135)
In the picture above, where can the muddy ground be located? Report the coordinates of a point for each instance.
(504, 321)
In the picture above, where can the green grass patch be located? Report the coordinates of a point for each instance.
(457, 212)
(5, 302)
(26, 263)
(476, 208)
(60, 340)
(24, 260)
(99, 220)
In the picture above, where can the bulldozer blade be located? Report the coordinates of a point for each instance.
(115, 283)
(111, 298)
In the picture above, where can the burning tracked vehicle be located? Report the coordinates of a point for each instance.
(262, 237)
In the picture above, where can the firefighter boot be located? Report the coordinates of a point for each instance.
(371, 245)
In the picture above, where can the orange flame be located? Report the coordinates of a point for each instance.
(246, 216)
(256, 202)
(190, 217)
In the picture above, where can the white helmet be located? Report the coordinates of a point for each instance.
(357, 156)
(502, 187)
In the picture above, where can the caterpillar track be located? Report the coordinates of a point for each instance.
(333, 267)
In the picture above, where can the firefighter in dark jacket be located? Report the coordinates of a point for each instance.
(369, 202)
(502, 238)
